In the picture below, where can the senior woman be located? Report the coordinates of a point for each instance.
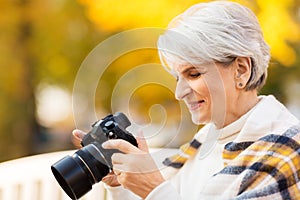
(249, 146)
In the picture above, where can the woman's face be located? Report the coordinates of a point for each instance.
(208, 91)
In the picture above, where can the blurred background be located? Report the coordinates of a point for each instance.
(43, 44)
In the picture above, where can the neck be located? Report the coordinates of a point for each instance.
(238, 107)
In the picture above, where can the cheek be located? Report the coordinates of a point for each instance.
(222, 95)
(215, 91)
(200, 87)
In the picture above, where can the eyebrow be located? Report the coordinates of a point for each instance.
(189, 69)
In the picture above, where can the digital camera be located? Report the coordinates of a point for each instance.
(76, 174)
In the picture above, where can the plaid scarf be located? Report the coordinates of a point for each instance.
(185, 152)
(266, 168)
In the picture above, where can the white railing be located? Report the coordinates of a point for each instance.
(30, 178)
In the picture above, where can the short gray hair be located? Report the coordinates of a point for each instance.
(217, 31)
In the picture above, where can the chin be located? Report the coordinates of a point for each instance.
(198, 119)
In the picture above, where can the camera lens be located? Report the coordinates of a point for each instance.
(77, 173)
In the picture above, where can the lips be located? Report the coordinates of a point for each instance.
(195, 105)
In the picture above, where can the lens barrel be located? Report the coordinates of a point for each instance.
(76, 174)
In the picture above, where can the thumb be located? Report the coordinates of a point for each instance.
(78, 134)
(142, 143)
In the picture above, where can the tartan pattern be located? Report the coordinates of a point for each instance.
(185, 152)
(269, 166)
(265, 169)
(232, 150)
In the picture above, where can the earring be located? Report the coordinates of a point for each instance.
(240, 85)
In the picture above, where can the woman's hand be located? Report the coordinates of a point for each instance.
(78, 135)
(110, 179)
(135, 168)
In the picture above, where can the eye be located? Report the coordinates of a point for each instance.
(194, 74)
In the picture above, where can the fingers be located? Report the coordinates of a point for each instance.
(77, 137)
(121, 145)
(142, 143)
(111, 180)
(78, 134)
(126, 147)
(133, 163)
(116, 171)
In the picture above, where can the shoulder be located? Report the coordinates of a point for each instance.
(272, 147)
(269, 165)
(287, 138)
(284, 145)
(275, 153)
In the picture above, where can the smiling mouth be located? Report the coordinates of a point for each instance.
(195, 105)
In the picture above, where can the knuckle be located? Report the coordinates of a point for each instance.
(118, 142)
(123, 179)
(113, 157)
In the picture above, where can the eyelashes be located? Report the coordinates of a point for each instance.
(189, 73)
(195, 75)
(190, 76)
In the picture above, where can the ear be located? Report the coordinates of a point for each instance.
(242, 71)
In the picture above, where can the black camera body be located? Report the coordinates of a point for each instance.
(77, 173)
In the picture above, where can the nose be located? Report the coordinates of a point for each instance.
(182, 89)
